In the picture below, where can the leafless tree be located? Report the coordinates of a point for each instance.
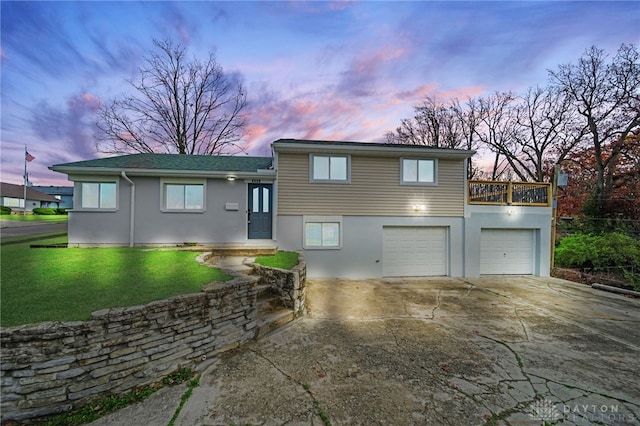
(179, 106)
(606, 95)
(468, 119)
(547, 132)
(434, 124)
(440, 125)
(496, 131)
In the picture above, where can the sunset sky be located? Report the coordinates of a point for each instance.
(312, 70)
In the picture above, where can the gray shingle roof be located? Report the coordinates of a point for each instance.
(176, 162)
(17, 191)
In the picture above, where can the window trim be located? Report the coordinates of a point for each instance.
(78, 192)
(184, 182)
(322, 219)
(417, 182)
(312, 179)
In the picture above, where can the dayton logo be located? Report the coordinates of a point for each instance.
(544, 410)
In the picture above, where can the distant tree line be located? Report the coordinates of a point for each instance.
(586, 119)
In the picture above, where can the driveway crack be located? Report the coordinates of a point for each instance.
(524, 328)
(316, 404)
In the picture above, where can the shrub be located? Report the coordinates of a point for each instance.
(598, 251)
(61, 210)
(44, 211)
(5, 210)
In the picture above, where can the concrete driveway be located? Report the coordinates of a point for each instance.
(493, 350)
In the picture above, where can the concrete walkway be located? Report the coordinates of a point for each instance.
(495, 350)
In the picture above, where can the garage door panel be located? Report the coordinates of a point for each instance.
(414, 251)
(506, 251)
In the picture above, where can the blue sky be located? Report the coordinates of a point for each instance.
(316, 70)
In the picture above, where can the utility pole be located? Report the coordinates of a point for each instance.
(554, 212)
(26, 180)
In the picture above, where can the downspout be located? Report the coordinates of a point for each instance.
(133, 204)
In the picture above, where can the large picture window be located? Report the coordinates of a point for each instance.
(322, 232)
(418, 171)
(179, 196)
(98, 195)
(329, 168)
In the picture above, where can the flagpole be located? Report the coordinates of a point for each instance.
(24, 209)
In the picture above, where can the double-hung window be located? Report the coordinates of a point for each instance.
(183, 196)
(98, 195)
(322, 232)
(329, 168)
(418, 171)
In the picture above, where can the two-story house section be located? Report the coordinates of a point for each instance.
(385, 210)
(372, 210)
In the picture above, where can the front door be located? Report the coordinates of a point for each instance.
(260, 205)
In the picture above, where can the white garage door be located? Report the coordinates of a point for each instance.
(506, 251)
(414, 251)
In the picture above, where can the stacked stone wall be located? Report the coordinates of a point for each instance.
(289, 285)
(53, 367)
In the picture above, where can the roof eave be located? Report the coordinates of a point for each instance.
(111, 171)
(370, 149)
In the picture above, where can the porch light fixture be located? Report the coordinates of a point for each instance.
(231, 178)
(419, 207)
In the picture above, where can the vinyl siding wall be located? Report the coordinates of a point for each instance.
(374, 189)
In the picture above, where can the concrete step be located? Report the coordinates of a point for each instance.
(226, 250)
(273, 321)
(268, 303)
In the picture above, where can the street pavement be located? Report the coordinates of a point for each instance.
(13, 228)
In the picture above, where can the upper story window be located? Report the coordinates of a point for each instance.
(329, 168)
(183, 196)
(98, 195)
(416, 171)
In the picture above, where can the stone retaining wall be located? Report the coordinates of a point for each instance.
(53, 367)
(289, 285)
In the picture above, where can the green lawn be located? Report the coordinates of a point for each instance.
(36, 217)
(55, 284)
(282, 260)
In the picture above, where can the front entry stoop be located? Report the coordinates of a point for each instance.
(271, 313)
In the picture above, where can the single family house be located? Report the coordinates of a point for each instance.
(64, 194)
(357, 210)
(13, 196)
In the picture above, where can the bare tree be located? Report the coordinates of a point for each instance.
(547, 132)
(178, 106)
(607, 97)
(496, 131)
(434, 124)
(440, 125)
(468, 119)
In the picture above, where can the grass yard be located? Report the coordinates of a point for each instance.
(35, 217)
(68, 284)
(282, 260)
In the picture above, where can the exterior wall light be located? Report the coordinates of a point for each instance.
(419, 208)
(231, 178)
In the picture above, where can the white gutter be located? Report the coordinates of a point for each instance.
(132, 204)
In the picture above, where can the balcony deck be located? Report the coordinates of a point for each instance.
(499, 193)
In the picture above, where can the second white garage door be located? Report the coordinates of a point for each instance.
(506, 251)
(414, 251)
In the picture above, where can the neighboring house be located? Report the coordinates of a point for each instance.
(357, 210)
(13, 196)
(64, 194)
